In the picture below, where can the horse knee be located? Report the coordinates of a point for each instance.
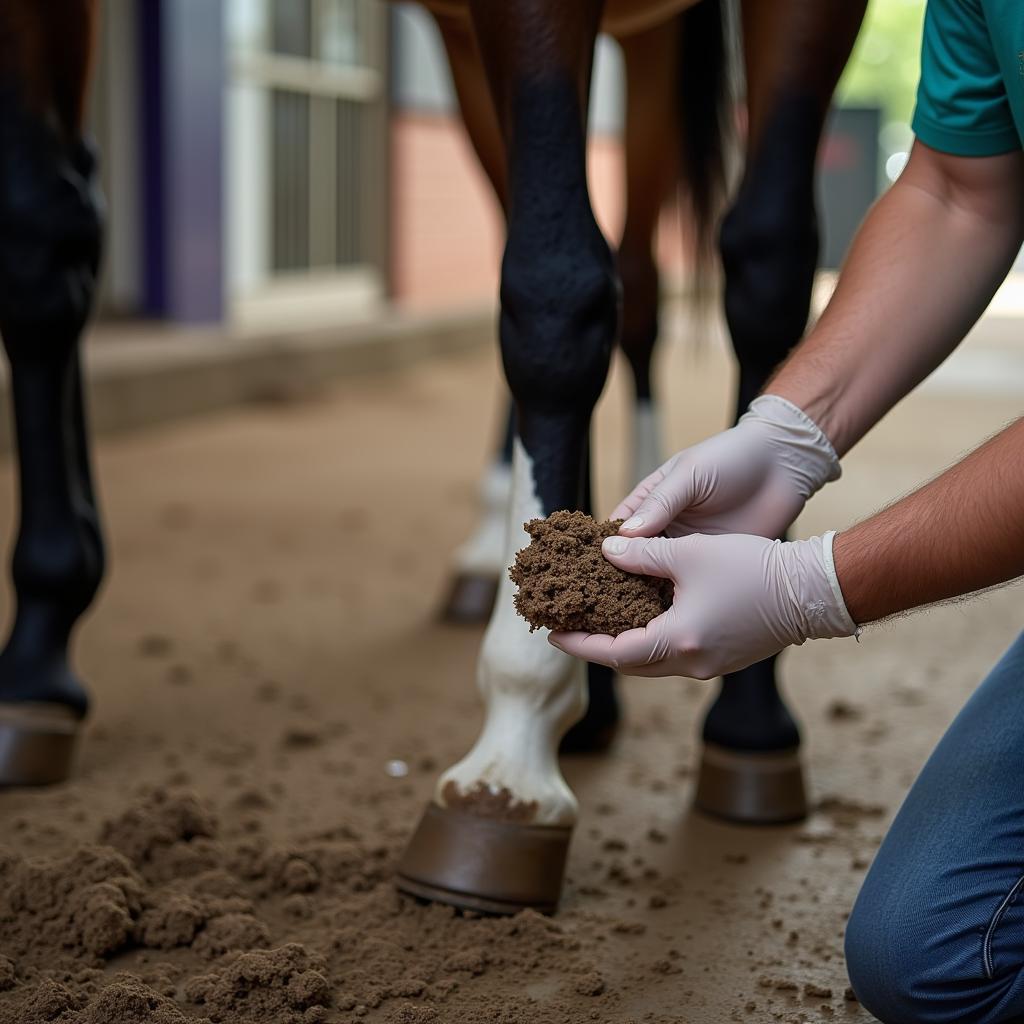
(559, 320)
(52, 215)
(769, 251)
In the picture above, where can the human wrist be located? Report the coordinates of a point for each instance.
(819, 607)
(798, 445)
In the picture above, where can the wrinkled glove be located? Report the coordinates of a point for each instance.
(738, 599)
(754, 478)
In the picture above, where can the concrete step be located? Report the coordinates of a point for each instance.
(142, 374)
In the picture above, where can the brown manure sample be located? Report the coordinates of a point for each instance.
(566, 583)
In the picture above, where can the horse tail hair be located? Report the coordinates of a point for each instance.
(705, 108)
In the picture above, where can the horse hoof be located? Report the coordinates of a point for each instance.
(37, 743)
(492, 867)
(471, 599)
(752, 787)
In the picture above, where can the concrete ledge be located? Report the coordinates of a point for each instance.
(140, 374)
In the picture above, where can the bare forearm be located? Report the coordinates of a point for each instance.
(923, 267)
(960, 533)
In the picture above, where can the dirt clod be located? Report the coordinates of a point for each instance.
(277, 986)
(589, 984)
(566, 583)
(81, 906)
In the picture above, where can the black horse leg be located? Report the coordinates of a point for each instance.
(497, 834)
(652, 170)
(769, 242)
(50, 231)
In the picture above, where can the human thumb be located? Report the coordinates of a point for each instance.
(661, 505)
(648, 556)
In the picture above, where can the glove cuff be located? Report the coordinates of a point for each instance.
(816, 599)
(800, 444)
(845, 618)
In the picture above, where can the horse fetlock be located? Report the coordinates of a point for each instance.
(512, 772)
(641, 288)
(527, 678)
(750, 714)
(769, 252)
(60, 567)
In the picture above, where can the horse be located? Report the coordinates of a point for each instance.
(496, 834)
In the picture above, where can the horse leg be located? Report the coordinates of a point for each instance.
(652, 170)
(50, 233)
(479, 560)
(794, 52)
(496, 835)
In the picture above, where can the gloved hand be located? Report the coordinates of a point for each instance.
(754, 478)
(738, 599)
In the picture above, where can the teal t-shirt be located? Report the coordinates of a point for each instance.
(970, 101)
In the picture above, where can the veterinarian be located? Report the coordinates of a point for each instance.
(937, 933)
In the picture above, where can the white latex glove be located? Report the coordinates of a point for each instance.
(738, 599)
(754, 478)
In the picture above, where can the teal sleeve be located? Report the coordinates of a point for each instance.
(962, 106)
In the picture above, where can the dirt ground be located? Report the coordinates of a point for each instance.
(275, 698)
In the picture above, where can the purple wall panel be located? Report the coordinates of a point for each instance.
(183, 76)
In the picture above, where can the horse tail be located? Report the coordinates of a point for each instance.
(706, 122)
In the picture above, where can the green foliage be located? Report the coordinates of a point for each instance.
(884, 68)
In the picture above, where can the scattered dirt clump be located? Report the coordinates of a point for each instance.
(277, 986)
(566, 583)
(82, 906)
(150, 828)
(231, 932)
(172, 920)
(127, 1000)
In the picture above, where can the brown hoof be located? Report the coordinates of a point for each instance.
(471, 599)
(37, 743)
(757, 788)
(495, 867)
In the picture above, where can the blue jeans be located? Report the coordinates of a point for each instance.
(937, 932)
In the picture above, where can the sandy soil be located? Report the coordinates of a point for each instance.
(274, 700)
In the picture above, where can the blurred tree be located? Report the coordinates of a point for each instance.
(885, 64)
